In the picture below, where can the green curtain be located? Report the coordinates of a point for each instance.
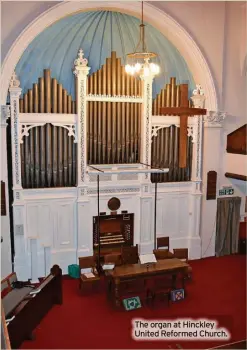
(227, 225)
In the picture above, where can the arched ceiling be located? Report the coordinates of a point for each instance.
(97, 33)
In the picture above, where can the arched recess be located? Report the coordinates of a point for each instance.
(157, 18)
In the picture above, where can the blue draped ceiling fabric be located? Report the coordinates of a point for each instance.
(98, 33)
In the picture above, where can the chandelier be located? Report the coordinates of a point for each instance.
(138, 62)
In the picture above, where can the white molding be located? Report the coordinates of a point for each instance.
(160, 20)
(44, 194)
(168, 120)
(130, 171)
(64, 119)
(109, 98)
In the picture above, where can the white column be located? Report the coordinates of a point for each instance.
(146, 125)
(81, 71)
(212, 160)
(6, 268)
(147, 198)
(198, 99)
(21, 266)
(15, 92)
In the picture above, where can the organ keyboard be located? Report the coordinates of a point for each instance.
(114, 231)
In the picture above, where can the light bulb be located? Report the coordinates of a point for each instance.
(146, 71)
(137, 67)
(152, 66)
(157, 69)
(128, 68)
(132, 70)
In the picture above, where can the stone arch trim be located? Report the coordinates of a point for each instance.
(157, 18)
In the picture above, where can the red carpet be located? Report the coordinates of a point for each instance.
(217, 292)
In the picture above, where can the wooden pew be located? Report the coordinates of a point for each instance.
(27, 315)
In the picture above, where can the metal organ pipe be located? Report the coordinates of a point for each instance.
(165, 146)
(48, 155)
(113, 127)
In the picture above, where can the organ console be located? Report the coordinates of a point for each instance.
(115, 231)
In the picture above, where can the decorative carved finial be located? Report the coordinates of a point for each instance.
(81, 61)
(14, 82)
(198, 90)
(198, 97)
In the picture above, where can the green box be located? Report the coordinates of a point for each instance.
(74, 271)
(132, 303)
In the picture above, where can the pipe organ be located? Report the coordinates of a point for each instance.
(48, 154)
(112, 124)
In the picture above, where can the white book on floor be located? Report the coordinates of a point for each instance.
(108, 267)
(89, 275)
(147, 259)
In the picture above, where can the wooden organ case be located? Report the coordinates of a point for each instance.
(114, 230)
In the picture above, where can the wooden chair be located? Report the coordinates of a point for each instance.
(163, 242)
(183, 255)
(114, 258)
(159, 289)
(161, 254)
(111, 259)
(129, 255)
(88, 264)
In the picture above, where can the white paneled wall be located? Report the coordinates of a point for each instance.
(54, 230)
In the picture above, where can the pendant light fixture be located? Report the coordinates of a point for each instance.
(139, 62)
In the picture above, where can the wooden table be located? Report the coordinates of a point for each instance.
(162, 267)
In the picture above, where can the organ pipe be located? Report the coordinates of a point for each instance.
(113, 134)
(48, 154)
(165, 146)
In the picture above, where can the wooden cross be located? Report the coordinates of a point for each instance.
(184, 111)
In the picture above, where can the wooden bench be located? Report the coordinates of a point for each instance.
(24, 312)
